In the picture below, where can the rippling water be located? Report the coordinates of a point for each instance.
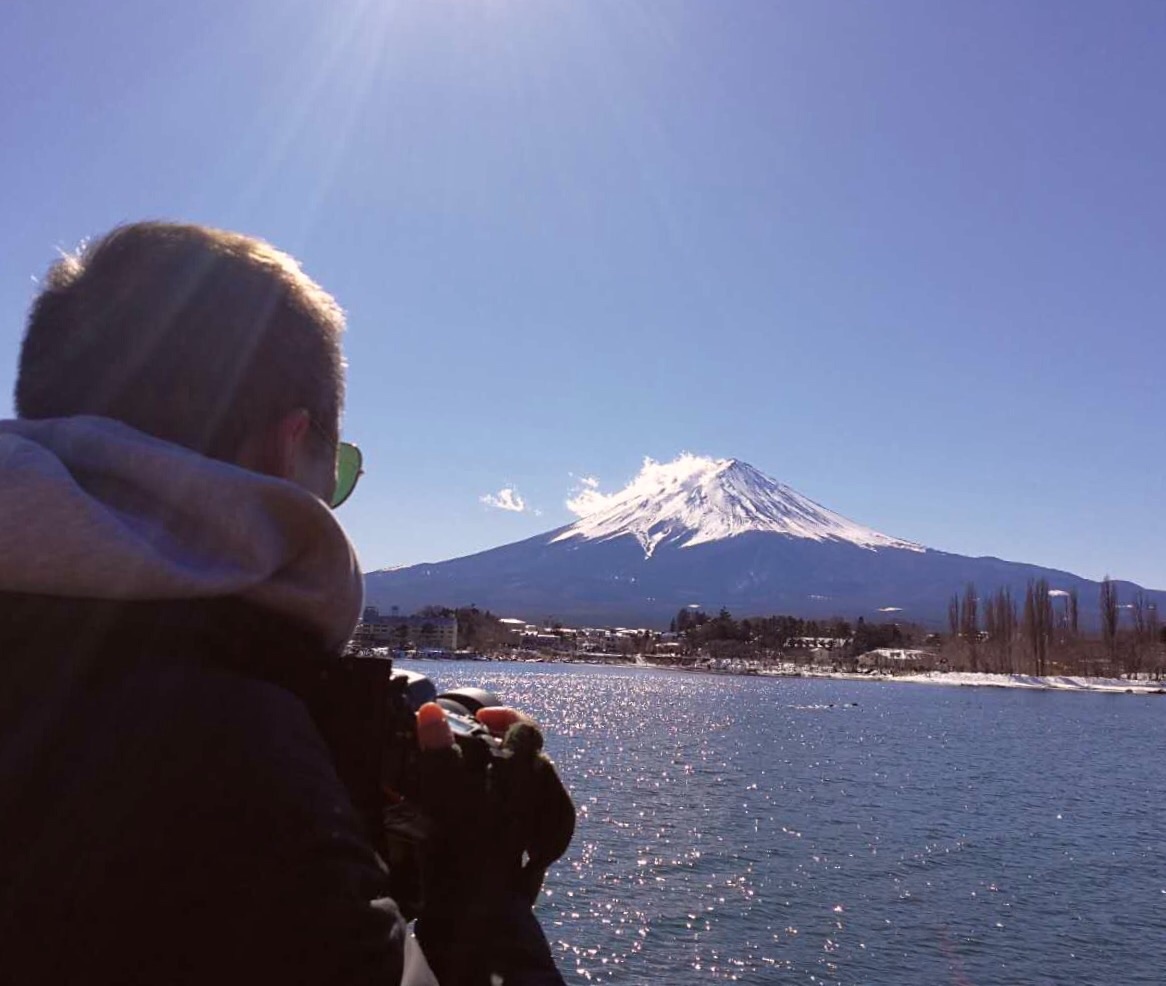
(798, 830)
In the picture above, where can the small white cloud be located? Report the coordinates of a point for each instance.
(1058, 592)
(890, 609)
(506, 498)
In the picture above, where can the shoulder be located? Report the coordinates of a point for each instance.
(192, 812)
(259, 834)
(227, 735)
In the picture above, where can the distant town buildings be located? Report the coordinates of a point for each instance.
(422, 632)
(517, 639)
(901, 659)
(514, 629)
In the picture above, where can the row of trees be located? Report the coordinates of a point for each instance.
(1043, 635)
(766, 636)
(769, 631)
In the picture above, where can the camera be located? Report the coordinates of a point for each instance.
(366, 710)
(483, 809)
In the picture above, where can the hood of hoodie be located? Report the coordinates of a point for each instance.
(91, 508)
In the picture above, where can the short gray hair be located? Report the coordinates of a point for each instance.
(195, 335)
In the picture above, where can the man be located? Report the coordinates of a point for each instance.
(170, 576)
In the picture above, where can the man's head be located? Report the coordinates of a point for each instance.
(209, 339)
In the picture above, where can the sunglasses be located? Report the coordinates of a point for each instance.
(349, 468)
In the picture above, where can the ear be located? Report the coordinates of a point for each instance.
(291, 431)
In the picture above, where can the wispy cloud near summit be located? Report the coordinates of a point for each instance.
(586, 498)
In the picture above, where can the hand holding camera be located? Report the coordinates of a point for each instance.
(499, 817)
(493, 754)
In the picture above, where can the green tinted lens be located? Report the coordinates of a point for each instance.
(348, 471)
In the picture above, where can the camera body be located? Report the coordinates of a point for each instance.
(467, 832)
(366, 710)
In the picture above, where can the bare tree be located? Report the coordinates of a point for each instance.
(1000, 625)
(1029, 625)
(1070, 648)
(1044, 601)
(1038, 623)
(1007, 622)
(954, 646)
(1154, 631)
(1145, 618)
(992, 634)
(970, 623)
(1109, 616)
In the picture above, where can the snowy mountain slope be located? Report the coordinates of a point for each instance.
(695, 500)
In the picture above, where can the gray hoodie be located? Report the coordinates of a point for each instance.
(92, 508)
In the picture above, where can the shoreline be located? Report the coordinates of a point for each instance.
(1048, 683)
(951, 679)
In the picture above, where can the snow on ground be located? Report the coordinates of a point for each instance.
(1054, 682)
(1063, 683)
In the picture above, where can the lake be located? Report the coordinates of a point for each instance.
(763, 830)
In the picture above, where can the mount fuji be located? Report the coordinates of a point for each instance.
(712, 533)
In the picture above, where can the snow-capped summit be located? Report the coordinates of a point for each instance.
(695, 499)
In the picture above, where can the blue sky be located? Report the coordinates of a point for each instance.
(905, 257)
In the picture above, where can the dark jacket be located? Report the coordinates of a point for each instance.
(169, 811)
